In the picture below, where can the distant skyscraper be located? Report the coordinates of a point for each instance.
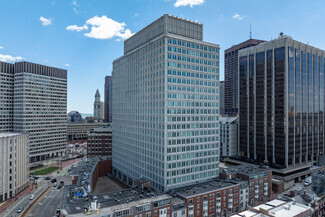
(231, 76)
(98, 107)
(222, 97)
(108, 99)
(166, 106)
(281, 104)
(34, 101)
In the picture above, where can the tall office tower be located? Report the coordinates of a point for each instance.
(231, 75)
(222, 97)
(166, 106)
(33, 100)
(6, 96)
(281, 103)
(108, 99)
(40, 108)
(98, 107)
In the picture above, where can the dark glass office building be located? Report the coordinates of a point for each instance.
(108, 100)
(281, 103)
(231, 76)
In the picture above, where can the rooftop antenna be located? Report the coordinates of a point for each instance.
(250, 31)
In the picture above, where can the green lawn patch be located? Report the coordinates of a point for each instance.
(45, 171)
(35, 169)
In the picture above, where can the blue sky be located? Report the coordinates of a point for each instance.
(59, 32)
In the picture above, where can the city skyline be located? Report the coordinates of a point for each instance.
(85, 37)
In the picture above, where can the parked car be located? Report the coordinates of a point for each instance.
(53, 180)
(298, 188)
(55, 184)
(32, 196)
(48, 178)
(307, 181)
(20, 209)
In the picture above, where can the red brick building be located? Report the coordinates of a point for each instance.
(211, 199)
(100, 142)
(259, 179)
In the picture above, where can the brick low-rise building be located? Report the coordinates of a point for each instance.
(100, 142)
(215, 198)
(259, 179)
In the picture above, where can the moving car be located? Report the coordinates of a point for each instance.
(58, 212)
(20, 209)
(61, 184)
(55, 184)
(32, 196)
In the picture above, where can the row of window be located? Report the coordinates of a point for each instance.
(192, 45)
(193, 67)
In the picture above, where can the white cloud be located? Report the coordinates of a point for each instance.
(67, 65)
(190, 3)
(45, 21)
(75, 11)
(103, 28)
(238, 17)
(136, 14)
(75, 3)
(76, 28)
(9, 58)
(1, 47)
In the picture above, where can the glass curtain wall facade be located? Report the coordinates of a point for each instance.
(166, 106)
(231, 76)
(281, 103)
(108, 100)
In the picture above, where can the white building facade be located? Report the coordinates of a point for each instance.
(33, 100)
(14, 164)
(166, 106)
(228, 136)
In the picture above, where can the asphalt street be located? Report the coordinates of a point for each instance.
(23, 201)
(50, 202)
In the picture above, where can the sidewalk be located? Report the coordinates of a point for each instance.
(9, 202)
(5, 205)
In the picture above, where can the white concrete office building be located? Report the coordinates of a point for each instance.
(33, 100)
(6, 96)
(228, 136)
(166, 106)
(14, 164)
